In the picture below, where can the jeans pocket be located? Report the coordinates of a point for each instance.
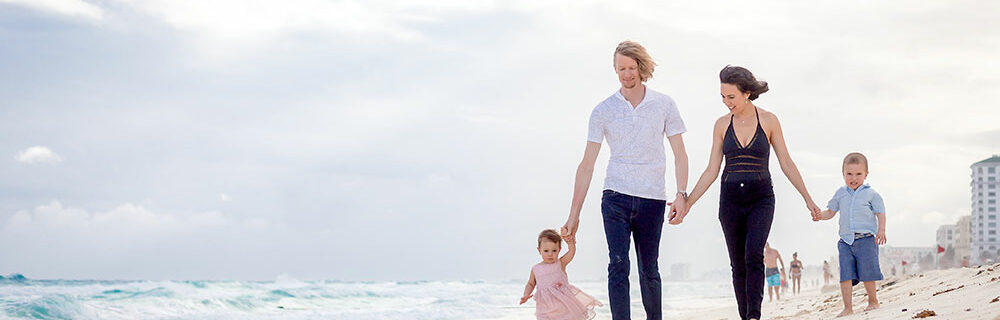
(608, 193)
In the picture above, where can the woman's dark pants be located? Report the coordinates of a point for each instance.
(746, 210)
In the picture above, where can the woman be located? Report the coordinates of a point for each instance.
(744, 137)
(796, 269)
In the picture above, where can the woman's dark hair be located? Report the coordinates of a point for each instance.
(743, 79)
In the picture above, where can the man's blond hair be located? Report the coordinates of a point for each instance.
(638, 53)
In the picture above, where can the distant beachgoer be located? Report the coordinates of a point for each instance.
(555, 298)
(893, 270)
(784, 281)
(862, 229)
(795, 267)
(826, 272)
(772, 272)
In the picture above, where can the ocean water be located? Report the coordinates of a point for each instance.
(293, 299)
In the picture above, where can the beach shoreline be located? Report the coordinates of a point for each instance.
(962, 293)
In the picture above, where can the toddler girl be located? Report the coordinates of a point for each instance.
(555, 298)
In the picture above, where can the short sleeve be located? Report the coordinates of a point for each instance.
(673, 125)
(834, 204)
(878, 206)
(595, 131)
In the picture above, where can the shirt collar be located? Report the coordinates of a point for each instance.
(645, 99)
(862, 187)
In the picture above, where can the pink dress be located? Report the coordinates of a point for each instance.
(556, 299)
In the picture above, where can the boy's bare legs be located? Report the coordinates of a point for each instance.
(872, 299)
(845, 291)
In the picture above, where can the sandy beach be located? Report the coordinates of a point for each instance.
(965, 293)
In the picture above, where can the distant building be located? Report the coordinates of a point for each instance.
(946, 235)
(985, 176)
(680, 272)
(963, 239)
(717, 275)
(916, 258)
(956, 239)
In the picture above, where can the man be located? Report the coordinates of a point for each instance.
(771, 271)
(634, 121)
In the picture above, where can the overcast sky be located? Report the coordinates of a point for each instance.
(422, 140)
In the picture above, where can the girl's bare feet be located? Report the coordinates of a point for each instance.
(845, 312)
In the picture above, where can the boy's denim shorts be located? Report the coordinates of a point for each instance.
(859, 261)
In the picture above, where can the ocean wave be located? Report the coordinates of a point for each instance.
(14, 277)
(291, 299)
(49, 307)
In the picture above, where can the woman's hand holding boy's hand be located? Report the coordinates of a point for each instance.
(814, 210)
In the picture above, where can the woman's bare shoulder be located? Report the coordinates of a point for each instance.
(768, 119)
(766, 115)
(721, 123)
(723, 120)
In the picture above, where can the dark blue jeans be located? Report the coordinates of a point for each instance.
(628, 217)
(746, 210)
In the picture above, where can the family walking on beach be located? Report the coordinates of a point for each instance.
(634, 204)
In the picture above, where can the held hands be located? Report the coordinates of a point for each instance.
(570, 240)
(814, 210)
(568, 230)
(525, 298)
(678, 210)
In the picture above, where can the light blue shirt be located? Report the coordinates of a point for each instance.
(857, 211)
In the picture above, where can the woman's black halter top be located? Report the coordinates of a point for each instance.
(749, 162)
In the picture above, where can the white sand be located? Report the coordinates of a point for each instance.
(974, 288)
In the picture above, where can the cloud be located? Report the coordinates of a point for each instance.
(306, 126)
(253, 21)
(934, 218)
(65, 7)
(257, 20)
(38, 154)
(126, 219)
(132, 241)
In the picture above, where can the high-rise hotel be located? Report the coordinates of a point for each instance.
(985, 186)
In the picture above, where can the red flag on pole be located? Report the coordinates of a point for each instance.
(904, 262)
(940, 249)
